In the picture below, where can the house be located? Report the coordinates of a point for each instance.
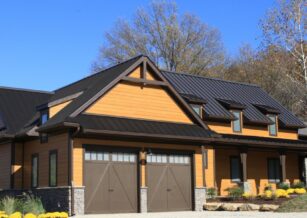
(133, 138)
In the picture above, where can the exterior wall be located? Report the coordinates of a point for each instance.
(56, 142)
(135, 101)
(260, 131)
(257, 174)
(210, 170)
(78, 157)
(57, 108)
(5, 166)
(17, 166)
(137, 74)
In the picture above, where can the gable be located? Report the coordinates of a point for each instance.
(57, 108)
(141, 102)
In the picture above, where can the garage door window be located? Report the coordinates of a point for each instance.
(157, 158)
(123, 157)
(96, 156)
(179, 159)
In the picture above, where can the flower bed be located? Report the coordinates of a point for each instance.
(31, 215)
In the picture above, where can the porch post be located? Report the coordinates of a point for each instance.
(246, 185)
(282, 158)
(305, 170)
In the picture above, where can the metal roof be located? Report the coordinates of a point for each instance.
(245, 94)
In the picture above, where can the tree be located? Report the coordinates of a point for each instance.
(173, 42)
(285, 26)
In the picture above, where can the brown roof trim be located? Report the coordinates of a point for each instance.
(145, 135)
(58, 125)
(144, 81)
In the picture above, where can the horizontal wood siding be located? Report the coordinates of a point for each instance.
(261, 131)
(5, 166)
(78, 156)
(57, 108)
(134, 101)
(57, 142)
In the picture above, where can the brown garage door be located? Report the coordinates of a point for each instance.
(169, 182)
(110, 182)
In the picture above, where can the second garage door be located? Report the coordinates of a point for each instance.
(110, 181)
(169, 181)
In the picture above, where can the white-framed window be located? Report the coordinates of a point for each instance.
(273, 126)
(197, 108)
(237, 123)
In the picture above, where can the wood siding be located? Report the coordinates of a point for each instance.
(210, 170)
(57, 142)
(257, 169)
(5, 166)
(78, 156)
(260, 131)
(140, 102)
(57, 108)
(17, 166)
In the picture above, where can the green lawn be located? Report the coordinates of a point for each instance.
(298, 204)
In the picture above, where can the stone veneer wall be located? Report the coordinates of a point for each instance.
(143, 200)
(54, 199)
(199, 199)
(305, 168)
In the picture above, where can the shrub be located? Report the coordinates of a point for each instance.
(300, 191)
(33, 205)
(9, 205)
(281, 193)
(290, 191)
(54, 215)
(268, 194)
(211, 192)
(283, 185)
(16, 215)
(298, 185)
(30, 215)
(235, 192)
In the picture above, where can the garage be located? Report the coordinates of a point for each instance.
(169, 180)
(110, 179)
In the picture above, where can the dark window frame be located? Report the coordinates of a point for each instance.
(240, 169)
(53, 152)
(37, 170)
(270, 125)
(200, 109)
(240, 121)
(276, 179)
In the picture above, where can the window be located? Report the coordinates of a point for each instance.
(53, 162)
(235, 169)
(97, 156)
(34, 171)
(157, 158)
(236, 124)
(44, 117)
(274, 170)
(197, 108)
(272, 127)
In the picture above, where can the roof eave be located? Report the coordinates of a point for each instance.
(45, 129)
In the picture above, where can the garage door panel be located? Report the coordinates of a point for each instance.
(123, 187)
(96, 194)
(157, 183)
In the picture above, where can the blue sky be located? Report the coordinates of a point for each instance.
(47, 44)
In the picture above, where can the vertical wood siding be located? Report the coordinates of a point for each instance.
(5, 166)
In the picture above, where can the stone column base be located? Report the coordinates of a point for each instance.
(305, 168)
(199, 198)
(143, 200)
(78, 202)
(247, 187)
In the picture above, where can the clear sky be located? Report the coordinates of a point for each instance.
(47, 44)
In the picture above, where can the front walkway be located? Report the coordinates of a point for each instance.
(200, 215)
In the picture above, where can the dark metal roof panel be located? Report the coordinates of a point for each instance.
(246, 94)
(139, 126)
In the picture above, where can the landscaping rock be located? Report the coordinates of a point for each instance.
(230, 207)
(249, 207)
(254, 207)
(268, 207)
(212, 206)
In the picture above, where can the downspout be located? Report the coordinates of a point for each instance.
(71, 135)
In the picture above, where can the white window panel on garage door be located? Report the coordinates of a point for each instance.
(123, 157)
(96, 156)
(157, 158)
(179, 159)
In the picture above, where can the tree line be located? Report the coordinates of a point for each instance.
(184, 43)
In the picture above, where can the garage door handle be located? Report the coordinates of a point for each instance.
(168, 189)
(111, 190)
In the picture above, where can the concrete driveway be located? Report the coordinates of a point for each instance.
(201, 214)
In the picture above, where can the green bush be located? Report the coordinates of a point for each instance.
(298, 185)
(33, 205)
(211, 192)
(283, 185)
(10, 205)
(235, 192)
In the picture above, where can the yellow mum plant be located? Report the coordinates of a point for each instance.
(3, 215)
(300, 191)
(268, 194)
(16, 215)
(290, 191)
(30, 215)
(281, 193)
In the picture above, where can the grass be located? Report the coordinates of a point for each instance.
(298, 204)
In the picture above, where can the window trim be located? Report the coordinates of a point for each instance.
(279, 169)
(37, 173)
(53, 152)
(200, 109)
(275, 124)
(241, 122)
(240, 168)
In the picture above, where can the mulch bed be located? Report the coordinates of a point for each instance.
(258, 201)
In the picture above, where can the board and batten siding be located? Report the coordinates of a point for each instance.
(56, 142)
(5, 166)
(78, 156)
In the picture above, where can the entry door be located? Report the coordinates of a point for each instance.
(110, 182)
(169, 180)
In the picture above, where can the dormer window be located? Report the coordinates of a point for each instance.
(237, 123)
(197, 108)
(273, 126)
(44, 117)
